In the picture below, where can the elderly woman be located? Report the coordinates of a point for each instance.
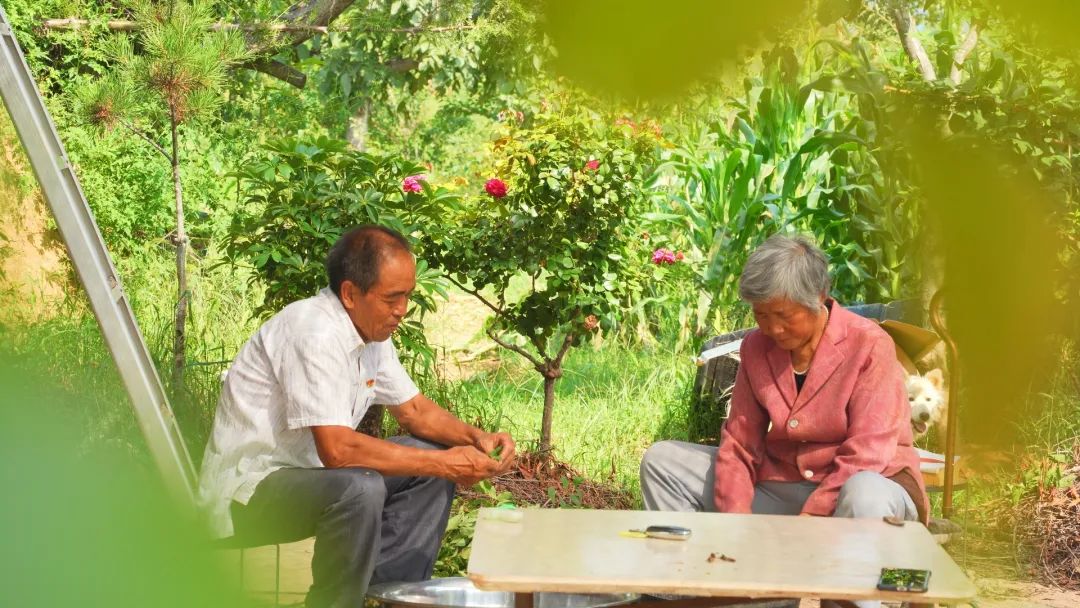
(819, 418)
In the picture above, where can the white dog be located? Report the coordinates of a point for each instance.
(926, 395)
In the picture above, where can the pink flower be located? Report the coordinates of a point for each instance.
(495, 187)
(679, 256)
(663, 256)
(592, 165)
(412, 183)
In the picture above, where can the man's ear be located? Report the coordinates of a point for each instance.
(349, 292)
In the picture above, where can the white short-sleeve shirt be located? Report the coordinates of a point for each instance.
(306, 366)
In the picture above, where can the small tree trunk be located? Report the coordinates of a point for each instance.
(357, 131)
(549, 407)
(180, 318)
(372, 422)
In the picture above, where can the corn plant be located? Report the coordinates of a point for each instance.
(784, 156)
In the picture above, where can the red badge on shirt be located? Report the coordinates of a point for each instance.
(370, 382)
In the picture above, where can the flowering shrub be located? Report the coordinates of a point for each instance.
(559, 213)
(303, 195)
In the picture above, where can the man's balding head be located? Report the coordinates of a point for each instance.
(359, 255)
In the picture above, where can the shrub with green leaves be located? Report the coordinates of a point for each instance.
(785, 155)
(303, 196)
(557, 217)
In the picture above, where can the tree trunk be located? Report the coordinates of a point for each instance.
(180, 318)
(357, 131)
(933, 263)
(549, 407)
(372, 422)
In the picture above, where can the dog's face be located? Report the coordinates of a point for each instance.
(926, 395)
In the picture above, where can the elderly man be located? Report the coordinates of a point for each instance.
(284, 461)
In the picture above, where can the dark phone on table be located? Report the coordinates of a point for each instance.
(904, 579)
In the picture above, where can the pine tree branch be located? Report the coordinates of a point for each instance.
(298, 24)
(126, 25)
(147, 138)
(279, 70)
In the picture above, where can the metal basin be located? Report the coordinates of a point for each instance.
(459, 592)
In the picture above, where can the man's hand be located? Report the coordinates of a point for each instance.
(499, 447)
(466, 465)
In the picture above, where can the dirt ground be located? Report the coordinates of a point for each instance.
(456, 331)
(33, 267)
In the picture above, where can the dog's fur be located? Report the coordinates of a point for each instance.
(927, 397)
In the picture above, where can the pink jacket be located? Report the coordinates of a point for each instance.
(852, 415)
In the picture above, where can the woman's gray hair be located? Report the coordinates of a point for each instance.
(786, 267)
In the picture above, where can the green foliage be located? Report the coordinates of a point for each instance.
(614, 402)
(453, 558)
(126, 184)
(1054, 471)
(782, 157)
(176, 76)
(647, 49)
(59, 58)
(562, 224)
(371, 73)
(561, 219)
(125, 543)
(301, 197)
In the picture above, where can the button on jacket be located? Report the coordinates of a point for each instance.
(851, 415)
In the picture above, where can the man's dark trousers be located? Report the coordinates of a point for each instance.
(367, 528)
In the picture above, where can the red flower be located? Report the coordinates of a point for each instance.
(495, 187)
(679, 256)
(592, 165)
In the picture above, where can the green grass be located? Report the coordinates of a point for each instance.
(71, 350)
(997, 502)
(610, 405)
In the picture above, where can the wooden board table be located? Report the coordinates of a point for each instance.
(582, 551)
